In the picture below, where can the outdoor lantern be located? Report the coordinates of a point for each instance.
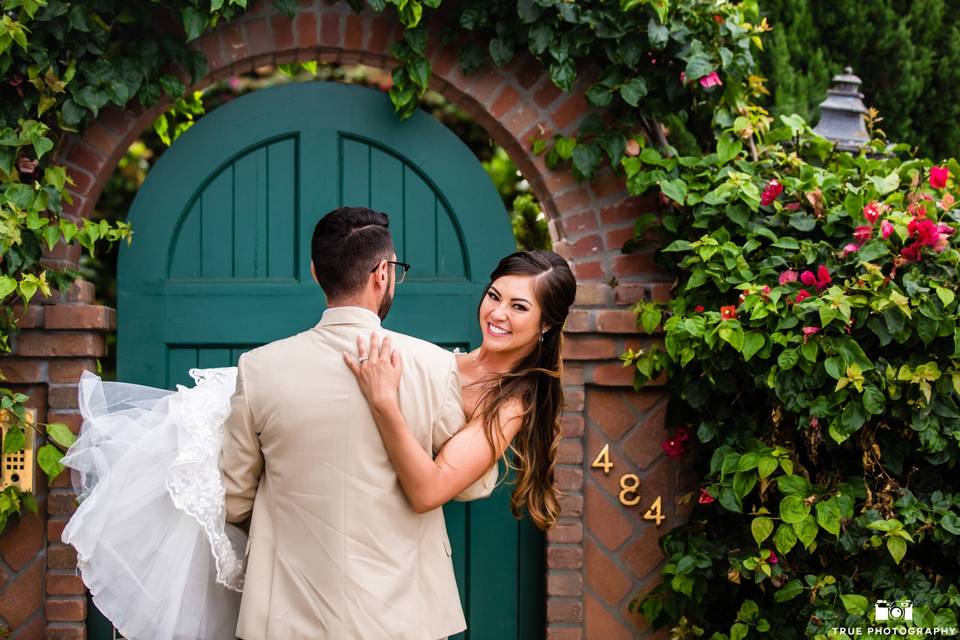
(841, 114)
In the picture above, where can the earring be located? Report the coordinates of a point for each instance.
(541, 337)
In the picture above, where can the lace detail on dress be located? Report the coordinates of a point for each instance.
(194, 483)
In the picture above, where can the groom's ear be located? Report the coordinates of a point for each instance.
(313, 272)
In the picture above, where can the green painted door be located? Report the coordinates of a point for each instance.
(220, 263)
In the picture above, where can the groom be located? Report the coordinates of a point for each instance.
(335, 550)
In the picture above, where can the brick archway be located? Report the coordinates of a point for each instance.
(602, 554)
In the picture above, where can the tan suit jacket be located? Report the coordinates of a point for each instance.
(335, 550)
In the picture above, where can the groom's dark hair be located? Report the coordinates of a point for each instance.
(347, 245)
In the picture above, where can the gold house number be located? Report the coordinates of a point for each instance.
(629, 487)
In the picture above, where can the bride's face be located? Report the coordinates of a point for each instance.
(510, 316)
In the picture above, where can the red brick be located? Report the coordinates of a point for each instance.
(507, 99)
(617, 321)
(80, 316)
(594, 442)
(572, 109)
(66, 631)
(72, 420)
(62, 481)
(22, 596)
(86, 157)
(564, 633)
(282, 32)
(353, 34)
(572, 375)
(100, 138)
(380, 35)
(567, 478)
(574, 200)
(70, 370)
(32, 629)
(586, 348)
(61, 556)
(603, 576)
(634, 264)
(570, 451)
(528, 71)
(587, 246)
(564, 584)
(21, 541)
(578, 321)
(643, 445)
(66, 609)
(588, 270)
(79, 291)
(117, 119)
(627, 210)
(564, 610)
(602, 624)
(607, 519)
(571, 505)
(20, 371)
(633, 292)
(59, 584)
(259, 37)
(617, 238)
(580, 223)
(64, 253)
(61, 504)
(60, 344)
(564, 557)
(573, 400)
(305, 25)
(572, 426)
(330, 30)
(644, 555)
(547, 93)
(608, 183)
(82, 181)
(63, 396)
(566, 533)
(610, 411)
(592, 293)
(55, 529)
(613, 375)
(29, 318)
(234, 46)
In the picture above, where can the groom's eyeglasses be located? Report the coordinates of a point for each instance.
(402, 266)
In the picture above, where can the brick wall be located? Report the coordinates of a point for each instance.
(602, 554)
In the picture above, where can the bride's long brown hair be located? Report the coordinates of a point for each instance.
(536, 382)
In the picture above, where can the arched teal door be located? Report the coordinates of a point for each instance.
(220, 263)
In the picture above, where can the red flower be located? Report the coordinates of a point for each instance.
(698, 308)
(718, 18)
(863, 233)
(705, 497)
(802, 295)
(770, 192)
(729, 312)
(820, 280)
(793, 206)
(809, 331)
(917, 209)
(772, 558)
(938, 177)
(765, 291)
(710, 80)
(850, 248)
(788, 276)
(673, 447)
(886, 229)
(911, 252)
(924, 229)
(871, 212)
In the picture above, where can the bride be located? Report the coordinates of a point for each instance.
(152, 543)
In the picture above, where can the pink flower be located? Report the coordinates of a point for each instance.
(863, 233)
(788, 276)
(809, 331)
(924, 229)
(633, 148)
(683, 77)
(728, 312)
(871, 212)
(802, 295)
(886, 229)
(765, 291)
(710, 80)
(947, 201)
(772, 558)
(705, 497)
(917, 209)
(850, 248)
(673, 447)
(911, 252)
(770, 193)
(938, 177)
(820, 280)
(793, 206)
(698, 308)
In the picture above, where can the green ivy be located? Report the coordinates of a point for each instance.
(812, 344)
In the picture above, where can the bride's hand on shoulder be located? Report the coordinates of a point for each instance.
(378, 368)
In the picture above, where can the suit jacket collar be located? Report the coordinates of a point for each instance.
(349, 315)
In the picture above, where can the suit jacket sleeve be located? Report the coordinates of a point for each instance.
(448, 423)
(241, 458)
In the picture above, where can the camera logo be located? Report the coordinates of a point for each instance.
(899, 610)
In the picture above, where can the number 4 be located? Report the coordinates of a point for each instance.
(602, 461)
(654, 512)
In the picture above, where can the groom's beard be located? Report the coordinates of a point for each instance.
(385, 302)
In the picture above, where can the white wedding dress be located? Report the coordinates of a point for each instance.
(152, 544)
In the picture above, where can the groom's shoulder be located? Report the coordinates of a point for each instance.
(421, 351)
(277, 349)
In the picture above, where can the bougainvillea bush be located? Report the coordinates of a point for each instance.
(812, 352)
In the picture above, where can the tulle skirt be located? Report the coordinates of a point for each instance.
(152, 545)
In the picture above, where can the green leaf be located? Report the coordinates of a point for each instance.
(738, 631)
(49, 457)
(854, 604)
(501, 51)
(650, 318)
(852, 417)
(731, 332)
(51, 234)
(885, 525)
(793, 509)
(658, 33)
(14, 441)
(788, 591)
(784, 538)
(887, 184)
(753, 341)
(806, 531)
(743, 483)
(633, 90)
(767, 466)
(676, 190)
(788, 359)
(61, 434)
(7, 286)
(761, 528)
(946, 295)
(897, 548)
(828, 516)
(873, 400)
(194, 22)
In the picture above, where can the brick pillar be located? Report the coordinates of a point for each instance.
(40, 593)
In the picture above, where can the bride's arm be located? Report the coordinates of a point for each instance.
(428, 482)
